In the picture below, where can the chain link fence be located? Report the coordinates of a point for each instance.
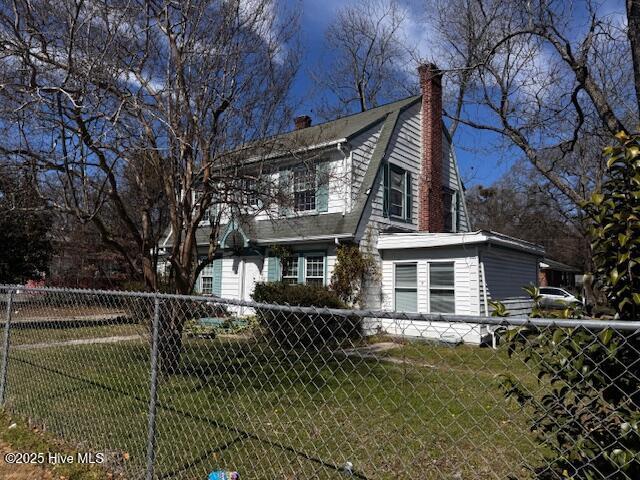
(170, 386)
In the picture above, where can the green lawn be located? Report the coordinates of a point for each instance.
(20, 438)
(241, 405)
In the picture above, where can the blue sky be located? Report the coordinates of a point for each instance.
(483, 156)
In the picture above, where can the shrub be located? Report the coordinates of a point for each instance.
(294, 329)
(351, 268)
(588, 417)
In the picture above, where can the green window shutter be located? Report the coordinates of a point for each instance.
(217, 276)
(385, 186)
(273, 269)
(284, 183)
(407, 196)
(300, 268)
(322, 186)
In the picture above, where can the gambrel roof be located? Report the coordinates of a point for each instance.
(326, 225)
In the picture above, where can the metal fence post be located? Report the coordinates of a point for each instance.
(153, 392)
(5, 348)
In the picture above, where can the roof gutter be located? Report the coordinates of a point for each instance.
(331, 237)
(309, 148)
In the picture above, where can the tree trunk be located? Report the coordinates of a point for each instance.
(171, 323)
(173, 315)
(633, 32)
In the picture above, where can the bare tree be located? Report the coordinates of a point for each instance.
(126, 109)
(553, 78)
(524, 205)
(366, 59)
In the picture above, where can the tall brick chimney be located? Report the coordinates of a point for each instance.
(302, 122)
(431, 208)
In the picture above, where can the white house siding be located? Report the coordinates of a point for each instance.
(231, 278)
(466, 285)
(507, 271)
(362, 147)
(404, 151)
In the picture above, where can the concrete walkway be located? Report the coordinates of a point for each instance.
(80, 341)
(373, 352)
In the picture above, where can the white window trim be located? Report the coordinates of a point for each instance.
(393, 282)
(202, 277)
(283, 276)
(304, 167)
(443, 260)
(306, 267)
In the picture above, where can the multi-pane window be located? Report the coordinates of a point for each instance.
(397, 193)
(441, 287)
(314, 270)
(290, 270)
(304, 188)
(251, 195)
(406, 287)
(207, 285)
(397, 188)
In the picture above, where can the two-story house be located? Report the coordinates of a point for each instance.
(386, 179)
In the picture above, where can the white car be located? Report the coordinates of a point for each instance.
(557, 297)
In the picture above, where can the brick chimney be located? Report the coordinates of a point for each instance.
(431, 209)
(302, 122)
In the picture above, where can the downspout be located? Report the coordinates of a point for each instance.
(242, 285)
(484, 288)
(492, 329)
(347, 177)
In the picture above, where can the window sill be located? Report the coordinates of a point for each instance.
(305, 213)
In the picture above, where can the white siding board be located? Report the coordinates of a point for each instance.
(362, 147)
(466, 287)
(231, 278)
(466, 284)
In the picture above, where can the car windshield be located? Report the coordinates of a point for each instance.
(553, 291)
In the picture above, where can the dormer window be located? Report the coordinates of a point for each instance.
(397, 193)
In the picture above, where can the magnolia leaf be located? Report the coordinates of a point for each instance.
(614, 276)
(622, 136)
(597, 198)
(636, 298)
(557, 336)
(623, 239)
(605, 336)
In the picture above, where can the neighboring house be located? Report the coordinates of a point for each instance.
(386, 179)
(557, 274)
